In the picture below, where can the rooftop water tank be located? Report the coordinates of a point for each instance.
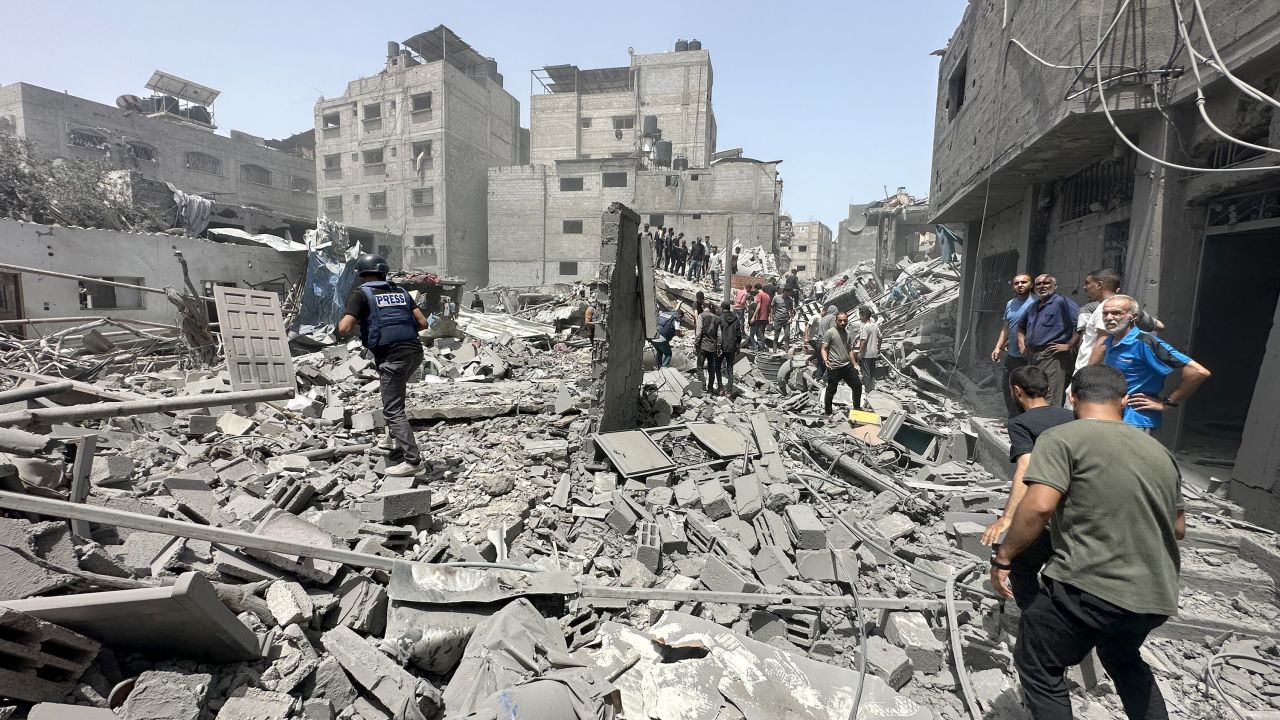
(662, 153)
(650, 125)
(681, 163)
(682, 45)
(695, 44)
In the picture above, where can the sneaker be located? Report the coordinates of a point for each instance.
(386, 442)
(404, 469)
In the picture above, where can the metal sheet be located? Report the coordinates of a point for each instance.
(722, 441)
(253, 339)
(633, 453)
(169, 84)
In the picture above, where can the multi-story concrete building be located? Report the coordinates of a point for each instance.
(813, 250)
(1040, 163)
(544, 220)
(643, 135)
(407, 152)
(601, 113)
(166, 142)
(855, 238)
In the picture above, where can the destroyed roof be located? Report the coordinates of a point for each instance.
(442, 43)
(570, 78)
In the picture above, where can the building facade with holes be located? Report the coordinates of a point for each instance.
(407, 152)
(236, 170)
(1043, 180)
(589, 147)
(813, 250)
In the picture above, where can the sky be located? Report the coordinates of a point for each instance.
(842, 92)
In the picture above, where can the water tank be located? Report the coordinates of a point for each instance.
(681, 163)
(662, 153)
(393, 49)
(200, 113)
(650, 125)
(695, 44)
(682, 45)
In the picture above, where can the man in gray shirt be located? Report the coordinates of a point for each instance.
(837, 349)
(868, 348)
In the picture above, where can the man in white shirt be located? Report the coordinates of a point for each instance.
(1100, 286)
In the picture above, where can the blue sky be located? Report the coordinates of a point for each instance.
(843, 93)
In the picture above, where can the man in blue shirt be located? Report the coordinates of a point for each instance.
(1045, 332)
(1145, 361)
(1008, 339)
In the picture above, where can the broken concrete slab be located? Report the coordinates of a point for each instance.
(58, 711)
(166, 695)
(804, 527)
(393, 687)
(255, 704)
(21, 578)
(719, 575)
(295, 529)
(185, 619)
(911, 632)
(289, 603)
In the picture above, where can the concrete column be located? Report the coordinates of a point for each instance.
(966, 319)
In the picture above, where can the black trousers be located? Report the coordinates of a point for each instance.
(1011, 363)
(1060, 629)
(847, 374)
(394, 370)
(1025, 575)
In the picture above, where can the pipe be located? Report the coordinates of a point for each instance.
(953, 629)
(116, 409)
(33, 392)
(85, 319)
(83, 278)
(867, 476)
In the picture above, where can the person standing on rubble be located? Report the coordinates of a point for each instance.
(1115, 497)
(707, 345)
(476, 303)
(781, 319)
(867, 350)
(659, 249)
(1008, 339)
(819, 291)
(717, 269)
(837, 355)
(1145, 361)
(1100, 286)
(730, 341)
(791, 282)
(760, 318)
(813, 335)
(1044, 335)
(1029, 386)
(389, 322)
(696, 255)
(668, 327)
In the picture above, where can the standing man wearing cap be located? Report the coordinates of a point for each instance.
(389, 322)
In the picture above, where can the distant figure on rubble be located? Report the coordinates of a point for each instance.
(696, 255)
(791, 282)
(867, 349)
(1045, 331)
(668, 327)
(717, 269)
(760, 318)
(730, 340)
(840, 283)
(783, 307)
(476, 303)
(659, 249)
(1145, 361)
(448, 308)
(819, 291)
(813, 335)
(389, 323)
(1029, 386)
(707, 345)
(1008, 339)
(837, 349)
(1115, 499)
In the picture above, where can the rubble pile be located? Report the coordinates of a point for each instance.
(734, 558)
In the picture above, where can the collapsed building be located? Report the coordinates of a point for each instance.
(592, 535)
(643, 135)
(1129, 151)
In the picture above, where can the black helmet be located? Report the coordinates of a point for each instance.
(368, 263)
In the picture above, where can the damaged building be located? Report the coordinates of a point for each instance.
(406, 152)
(643, 135)
(813, 249)
(259, 185)
(1067, 184)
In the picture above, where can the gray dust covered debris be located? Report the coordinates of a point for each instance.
(211, 556)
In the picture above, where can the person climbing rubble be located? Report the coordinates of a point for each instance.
(389, 323)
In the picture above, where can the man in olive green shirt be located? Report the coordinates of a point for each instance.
(1115, 498)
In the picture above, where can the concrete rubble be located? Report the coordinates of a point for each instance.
(703, 565)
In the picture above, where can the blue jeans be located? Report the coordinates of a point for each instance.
(662, 352)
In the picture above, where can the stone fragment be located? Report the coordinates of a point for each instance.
(198, 425)
(827, 565)
(165, 695)
(773, 566)
(894, 526)
(38, 472)
(111, 470)
(719, 575)
(714, 500)
(289, 603)
(330, 682)
(764, 626)
(232, 424)
(367, 421)
(255, 704)
(58, 711)
(195, 497)
(497, 485)
(293, 528)
(888, 662)
(623, 516)
(396, 504)
(317, 709)
(777, 496)
(806, 530)
(633, 573)
(911, 632)
(687, 495)
(362, 605)
(385, 680)
(748, 495)
(672, 534)
(658, 498)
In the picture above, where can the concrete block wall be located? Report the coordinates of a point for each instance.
(676, 86)
(553, 129)
(45, 118)
(517, 224)
(108, 253)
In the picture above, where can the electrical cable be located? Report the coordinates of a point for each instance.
(1211, 678)
(1222, 66)
(1200, 99)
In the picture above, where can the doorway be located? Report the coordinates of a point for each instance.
(1236, 302)
(11, 302)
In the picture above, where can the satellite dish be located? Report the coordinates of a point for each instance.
(129, 102)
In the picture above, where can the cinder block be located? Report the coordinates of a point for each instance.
(715, 502)
(720, 576)
(673, 537)
(396, 504)
(749, 496)
(772, 530)
(623, 517)
(40, 661)
(803, 625)
(367, 421)
(888, 662)
(292, 494)
(773, 566)
(687, 495)
(911, 632)
(827, 565)
(111, 469)
(894, 526)
(807, 531)
(702, 532)
(201, 425)
(649, 545)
